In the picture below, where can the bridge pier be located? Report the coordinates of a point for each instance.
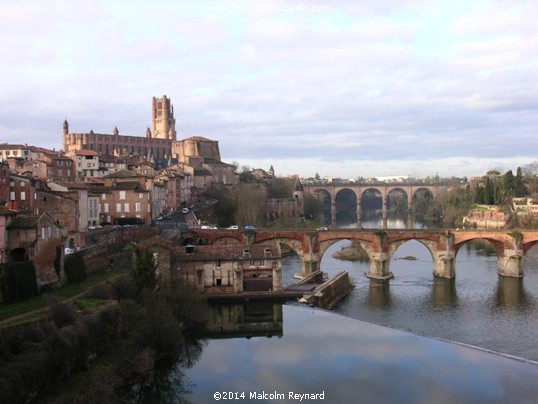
(510, 264)
(307, 267)
(444, 265)
(384, 211)
(379, 267)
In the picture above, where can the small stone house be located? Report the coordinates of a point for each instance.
(224, 269)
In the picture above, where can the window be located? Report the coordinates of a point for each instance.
(12, 196)
(126, 207)
(140, 195)
(118, 207)
(22, 184)
(23, 196)
(122, 194)
(43, 232)
(49, 231)
(138, 207)
(103, 196)
(106, 207)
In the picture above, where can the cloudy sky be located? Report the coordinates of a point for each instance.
(341, 88)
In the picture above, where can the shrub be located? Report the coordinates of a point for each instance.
(75, 268)
(18, 281)
(62, 314)
(103, 291)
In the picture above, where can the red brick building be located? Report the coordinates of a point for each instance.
(21, 193)
(4, 183)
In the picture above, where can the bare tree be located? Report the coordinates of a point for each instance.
(250, 201)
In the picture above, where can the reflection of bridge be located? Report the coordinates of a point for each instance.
(380, 245)
(331, 191)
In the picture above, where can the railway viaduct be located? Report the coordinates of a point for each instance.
(384, 189)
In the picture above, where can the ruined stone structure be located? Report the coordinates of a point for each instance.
(157, 142)
(380, 245)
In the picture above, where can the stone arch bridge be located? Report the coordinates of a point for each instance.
(383, 188)
(380, 245)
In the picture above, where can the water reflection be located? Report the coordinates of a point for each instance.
(444, 294)
(350, 361)
(379, 295)
(249, 319)
(168, 384)
(511, 294)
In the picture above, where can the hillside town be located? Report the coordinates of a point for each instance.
(107, 180)
(113, 180)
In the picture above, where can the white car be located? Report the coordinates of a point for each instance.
(234, 227)
(185, 210)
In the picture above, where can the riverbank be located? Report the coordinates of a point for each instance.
(113, 337)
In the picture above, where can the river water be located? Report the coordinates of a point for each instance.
(268, 349)
(478, 307)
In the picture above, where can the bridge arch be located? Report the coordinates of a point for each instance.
(326, 244)
(393, 195)
(346, 203)
(430, 245)
(496, 244)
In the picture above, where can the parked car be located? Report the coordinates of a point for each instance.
(250, 228)
(185, 210)
(234, 227)
(322, 229)
(68, 251)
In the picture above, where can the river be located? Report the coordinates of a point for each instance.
(270, 351)
(478, 307)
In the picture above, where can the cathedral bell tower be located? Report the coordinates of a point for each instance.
(163, 123)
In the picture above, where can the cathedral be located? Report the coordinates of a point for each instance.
(157, 142)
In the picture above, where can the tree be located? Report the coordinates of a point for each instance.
(312, 207)
(280, 188)
(530, 177)
(519, 185)
(508, 184)
(249, 204)
(145, 267)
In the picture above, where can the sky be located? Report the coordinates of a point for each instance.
(339, 88)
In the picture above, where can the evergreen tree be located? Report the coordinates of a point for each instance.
(489, 192)
(519, 186)
(509, 182)
(145, 269)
